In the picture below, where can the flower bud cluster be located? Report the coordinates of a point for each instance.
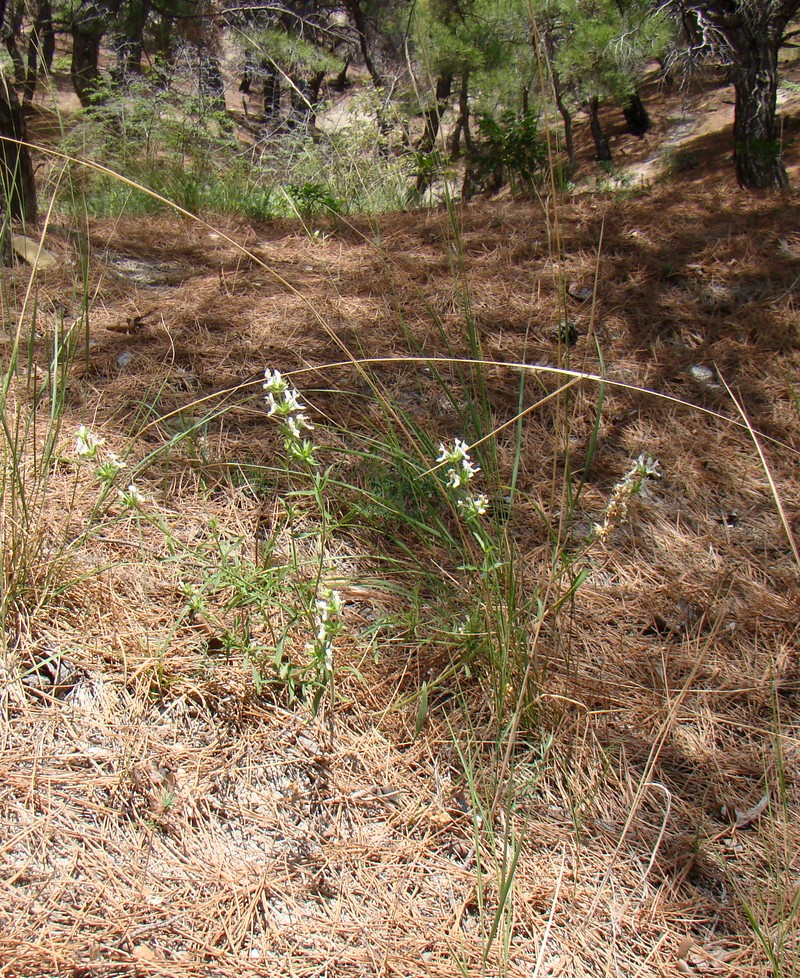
(328, 624)
(284, 404)
(89, 448)
(87, 443)
(461, 470)
(132, 497)
(628, 486)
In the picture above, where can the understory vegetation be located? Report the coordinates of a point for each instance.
(398, 512)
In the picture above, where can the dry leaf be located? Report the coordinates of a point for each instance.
(142, 952)
(744, 819)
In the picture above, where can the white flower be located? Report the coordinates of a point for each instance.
(473, 507)
(461, 471)
(458, 457)
(291, 401)
(649, 466)
(109, 468)
(296, 424)
(274, 382)
(327, 621)
(131, 497)
(469, 467)
(87, 442)
(455, 455)
(284, 404)
(480, 504)
(454, 479)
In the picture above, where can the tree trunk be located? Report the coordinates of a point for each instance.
(16, 169)
(32, 70)
(342, 81)
(246, 80)
(314, 86)
(41, 44)
(298, 102)
(304, 99)
(566, 116)
(462, 126)
(433, 116)
(637, 119)
(130, 42)
(558, 95)
(357, 13)
(272, 95)
(210, 82)
(163, 58)
(12, 32)
(84, 69)
(757, 149)
(603, 153)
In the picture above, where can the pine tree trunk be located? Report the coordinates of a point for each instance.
(130, 41)
(84, 69)
(565, 115)
(210, 82)
(272, 95)
(603, 153)
(757, 151)
(433, 116)
(41, 44)
(462, 126)
(342, 82)
(298, 103)
(246, 79)
(558, 93)
(164, 52)
(360, 23)
(637, 119)
(12, 31)
(314, 86)
(15, 160)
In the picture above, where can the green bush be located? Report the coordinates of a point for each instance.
(511, 142)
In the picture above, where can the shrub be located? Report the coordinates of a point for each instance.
(511, 143)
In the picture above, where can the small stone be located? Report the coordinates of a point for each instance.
(703, 375)
(579, 292)
(28, 250)
(567, 332)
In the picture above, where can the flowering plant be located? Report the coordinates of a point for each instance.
(284, 404)
(461, 471)
(628, 486)
(328, 624)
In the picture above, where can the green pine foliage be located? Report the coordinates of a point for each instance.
(603, 47)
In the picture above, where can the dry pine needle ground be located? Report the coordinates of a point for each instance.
(167, 818)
